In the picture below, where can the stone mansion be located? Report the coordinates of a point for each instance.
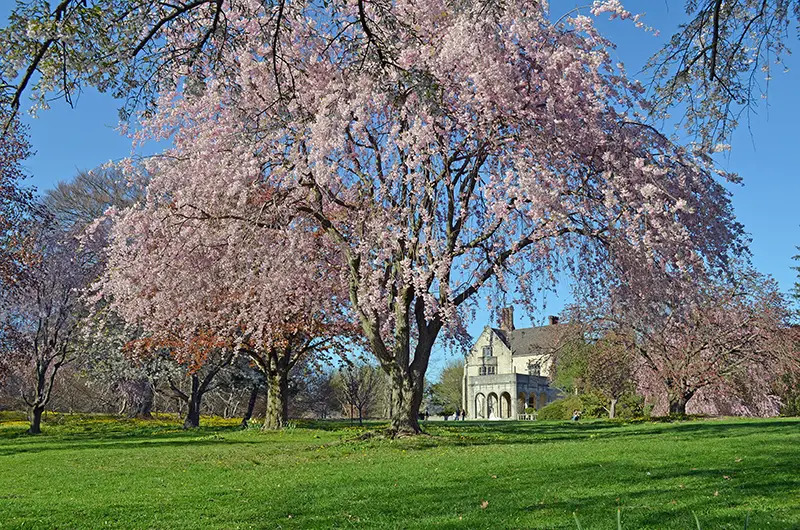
(509, 370)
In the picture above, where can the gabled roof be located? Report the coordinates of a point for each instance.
(539, 340)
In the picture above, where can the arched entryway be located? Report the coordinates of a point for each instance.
(505, 405)
(480, 406)
(492, 406)
(542, 399)
(521, 403)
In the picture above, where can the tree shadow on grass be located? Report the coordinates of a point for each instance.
(649, 501)
(88, 433)
(667, 508)
(130, 443)
(491, 433)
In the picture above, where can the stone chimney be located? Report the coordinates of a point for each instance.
(552, 320)
(507, 318)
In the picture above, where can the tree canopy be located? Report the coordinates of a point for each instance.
(718, 65)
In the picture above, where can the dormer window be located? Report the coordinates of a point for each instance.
(487, 351)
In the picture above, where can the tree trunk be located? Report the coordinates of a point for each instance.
(612, 409)
(677, 404)
(277, 400)
(407, 379)
(144, 407)
(192, 420)
(36, 419)
(406, 401)
(678, 399)
(251, 405)
(406, 376)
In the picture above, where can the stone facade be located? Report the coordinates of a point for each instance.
(509, 370)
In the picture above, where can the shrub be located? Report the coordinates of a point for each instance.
(630, 406)
(560, 409)
(593, 406)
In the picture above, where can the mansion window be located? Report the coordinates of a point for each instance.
(487, 370)
(487, 351)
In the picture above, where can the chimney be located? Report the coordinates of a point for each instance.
(552, 320)
(507, 319)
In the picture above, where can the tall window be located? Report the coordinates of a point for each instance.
(482, 370)
(487, 351)
(490, 370)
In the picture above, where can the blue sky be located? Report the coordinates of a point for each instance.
(765, 151)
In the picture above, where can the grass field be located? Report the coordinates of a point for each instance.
(104, 472)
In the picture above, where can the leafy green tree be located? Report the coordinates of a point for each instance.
(446, 392)
(602, 368)
(570, 367)
(53, 50)
(609, 371)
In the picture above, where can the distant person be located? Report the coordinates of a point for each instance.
(576, 415)
(426, 415)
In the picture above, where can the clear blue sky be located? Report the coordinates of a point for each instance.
(766, 151)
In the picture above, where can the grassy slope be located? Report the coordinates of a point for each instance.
(95, 472)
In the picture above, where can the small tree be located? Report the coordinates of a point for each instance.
(202, 356)
(83, 199)
(609, 370)
(358, 387)
(39, 321)
(316, 393)
(447, 391)
(571, 365)
(177, 268)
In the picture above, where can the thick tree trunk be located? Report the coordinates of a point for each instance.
(277, 400)
(677, 404)
(44, 384)
(144, 407)
(678, 399)
(251, 405)
(406, 401)
(192, 420)
(407, 377)
(612, 409)
(36, 419)
(678, 395)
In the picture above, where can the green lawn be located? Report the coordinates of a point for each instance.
(95, 472)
